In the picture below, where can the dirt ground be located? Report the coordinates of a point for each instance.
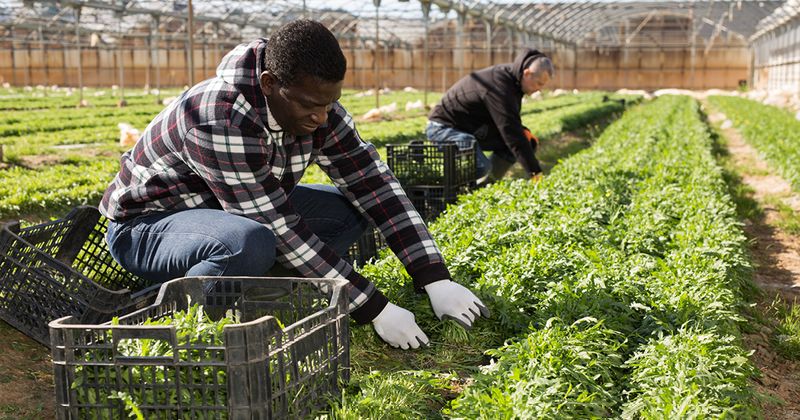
(26, 377)
(776, 255)
(45, 160)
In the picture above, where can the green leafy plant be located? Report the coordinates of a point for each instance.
(200, 368)
(774, 132)
(787, 332)
(630, 244)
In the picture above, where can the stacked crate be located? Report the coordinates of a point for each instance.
(61, 268)
(432, 176)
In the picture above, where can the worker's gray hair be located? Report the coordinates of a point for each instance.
(543, 64)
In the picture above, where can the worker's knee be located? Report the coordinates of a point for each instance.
(253, 251)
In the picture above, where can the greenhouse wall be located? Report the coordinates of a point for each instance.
(777, 59)
(644, 68)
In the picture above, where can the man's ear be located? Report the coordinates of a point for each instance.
(527, 72)
(268, 82)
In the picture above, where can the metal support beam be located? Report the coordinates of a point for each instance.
(44, 59)
(114, 6)
(478, 11)
(717, 28)
(692, 48)
(190, 36)
(426, 12)
(445, 34)
(751, 69)
(149, 69)
(157, 57)
(80, 58)
(459, 53)
(488, 25)
(13, 58)
(633, 34)
(574, 67)
(121, 61)
(377, 4)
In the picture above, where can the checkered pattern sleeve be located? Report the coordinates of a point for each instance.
(237, 169)
(356, 168)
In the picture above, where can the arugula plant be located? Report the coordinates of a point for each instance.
(628, 247)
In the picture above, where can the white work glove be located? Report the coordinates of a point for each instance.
(397, 327)
(452, 300)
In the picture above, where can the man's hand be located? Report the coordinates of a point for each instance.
(397, 327)
(454, 301)
(529, 135)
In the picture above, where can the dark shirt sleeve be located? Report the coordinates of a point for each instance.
(504, 111)
(237, 169)
(357, 170)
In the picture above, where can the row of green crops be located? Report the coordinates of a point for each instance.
(20, 100)
(774, 132)
(83, 151)
(548, 118)
(548, 124)
(43, 122)
(80, 145)
(35, 132)
(615, 286)
(358, 103)
(54, 190)
(573, 111)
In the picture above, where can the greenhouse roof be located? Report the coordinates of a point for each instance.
(577, 23)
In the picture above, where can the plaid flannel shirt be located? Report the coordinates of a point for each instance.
(212, 148)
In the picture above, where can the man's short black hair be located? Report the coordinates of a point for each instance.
(304, 47)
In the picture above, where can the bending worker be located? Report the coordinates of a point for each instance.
(211, 187)
(484, 107)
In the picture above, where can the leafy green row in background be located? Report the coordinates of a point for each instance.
(774, 132)
(551, 118)
(80, 175)
(45, 121)
(20, 100)
(53, 191)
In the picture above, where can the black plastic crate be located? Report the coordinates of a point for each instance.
(367, 246)
(287, 356)
(430, 201)
(424, 163)
(62, 268)
(432, 175)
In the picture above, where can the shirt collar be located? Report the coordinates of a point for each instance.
(272, 124)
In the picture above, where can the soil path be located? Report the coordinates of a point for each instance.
(26, 377)
(776, 255)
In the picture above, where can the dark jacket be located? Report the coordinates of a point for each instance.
(487, 104)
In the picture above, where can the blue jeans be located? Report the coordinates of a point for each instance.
(439, 133)
(206, 242)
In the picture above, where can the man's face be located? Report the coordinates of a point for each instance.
(303, 106)
(532, 82)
